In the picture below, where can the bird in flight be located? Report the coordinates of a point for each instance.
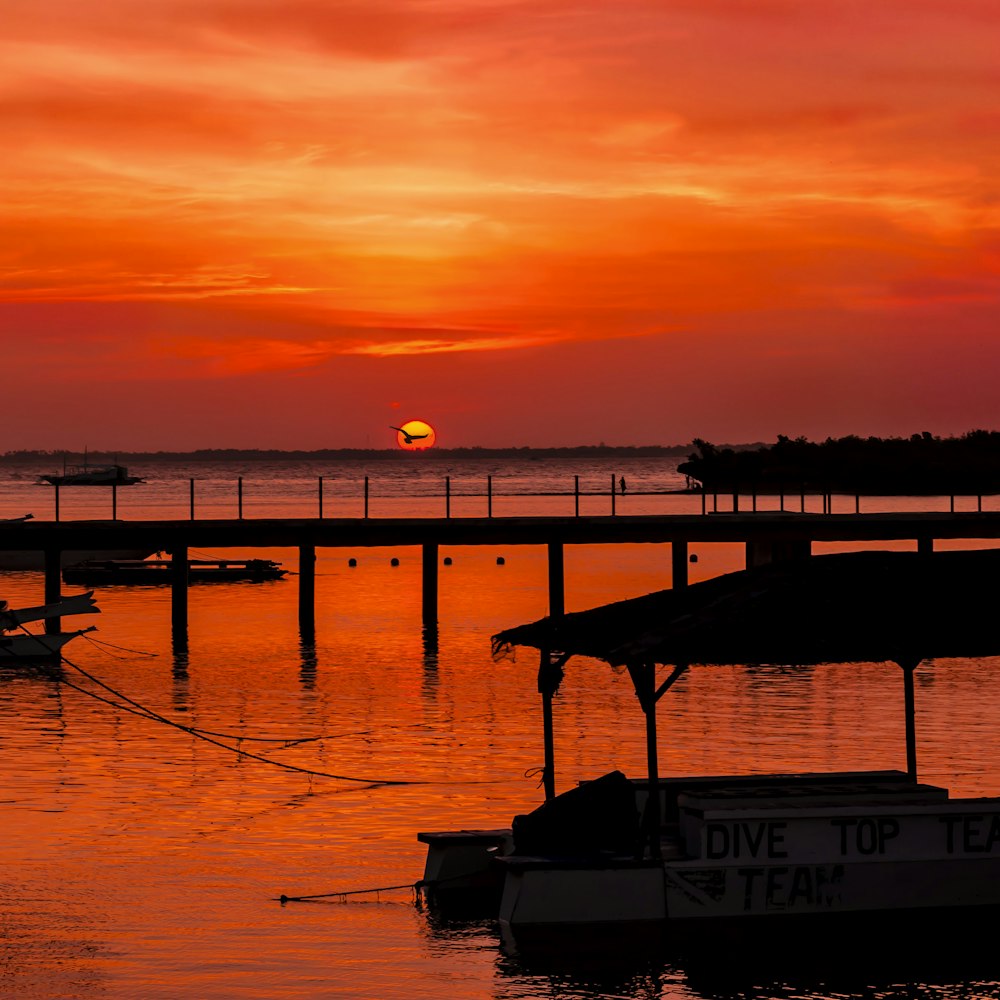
(408, 438)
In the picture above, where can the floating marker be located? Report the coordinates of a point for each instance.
(393, 561)
(447, 560)
(500, 560)
(352, 561)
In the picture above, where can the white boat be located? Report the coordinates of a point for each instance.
(754, 853)
(17, 643)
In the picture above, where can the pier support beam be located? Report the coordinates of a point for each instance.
(53, 587)
(679, 564)
(557, 580)
(429, 584)
(307, 589)
(179, 592)
(767, 551)
(925, 546)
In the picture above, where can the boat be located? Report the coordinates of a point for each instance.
(752, 855)
(19, 644)
(104, 572)
(91, 475)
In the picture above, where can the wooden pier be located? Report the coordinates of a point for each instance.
(768, 537)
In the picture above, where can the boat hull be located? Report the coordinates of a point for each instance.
(42, 646)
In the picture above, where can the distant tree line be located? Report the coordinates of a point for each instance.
(919, 464)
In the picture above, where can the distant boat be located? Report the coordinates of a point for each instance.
(103, 572)
(91, 475)
(16, 643)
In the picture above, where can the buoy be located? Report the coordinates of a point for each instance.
(352, 561)
(447, 560)
(500, 560)
(694, 557)
(394, 561)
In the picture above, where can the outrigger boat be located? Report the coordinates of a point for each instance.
(91, 475)
(751, 852)
(17, 643)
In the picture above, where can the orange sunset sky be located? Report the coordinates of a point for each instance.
(253, 223)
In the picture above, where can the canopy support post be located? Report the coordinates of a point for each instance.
(550, 674)
(909, 708)
(644, 679)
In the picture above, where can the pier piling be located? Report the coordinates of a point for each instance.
(307, 589)
(429, 578)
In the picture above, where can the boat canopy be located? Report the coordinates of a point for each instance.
(857, 607)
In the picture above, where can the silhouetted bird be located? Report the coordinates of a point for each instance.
(408, 438)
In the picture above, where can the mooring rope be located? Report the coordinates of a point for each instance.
(124, 649)
(420, 883)
(136, 708)
(350, 892)
(143, 712)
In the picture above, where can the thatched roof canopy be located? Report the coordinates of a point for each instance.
(851, 607)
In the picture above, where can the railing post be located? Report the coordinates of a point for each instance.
(489, 496)
(703, 500)
(781, 498)
(447, 496)
(366, 496)
(979, 504)
(57, 500)
(951, 509)
(736, 499)
(576, 496)
(239, 497)
(857, 503)
(612, 494)
(320, 497)
(114, 501)
(192, 498)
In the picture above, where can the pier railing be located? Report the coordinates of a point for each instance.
(327, 497)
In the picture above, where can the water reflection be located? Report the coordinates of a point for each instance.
(868, 960)
(308, 656)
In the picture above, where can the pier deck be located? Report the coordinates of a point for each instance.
(768, 536)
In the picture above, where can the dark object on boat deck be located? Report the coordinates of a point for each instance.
(594, 817)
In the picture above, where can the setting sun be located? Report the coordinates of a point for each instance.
(415, 435)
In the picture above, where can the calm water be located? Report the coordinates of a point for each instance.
(141, 861)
